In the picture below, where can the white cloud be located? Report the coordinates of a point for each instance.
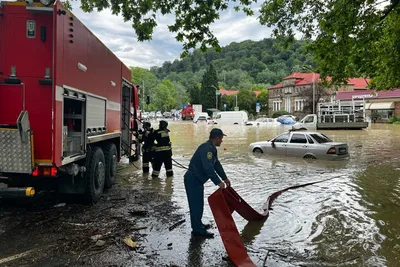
(120, 37)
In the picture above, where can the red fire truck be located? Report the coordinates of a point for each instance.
(66, 103)
(188, 112)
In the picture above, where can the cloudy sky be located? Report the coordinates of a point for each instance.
(120, 37)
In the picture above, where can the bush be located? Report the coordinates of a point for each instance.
(375, 116)
(394, 119)
(280, 113)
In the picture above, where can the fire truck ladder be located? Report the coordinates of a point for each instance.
(130, 143)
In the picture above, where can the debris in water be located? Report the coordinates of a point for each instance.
(172, 227)
(128, 241)
(100, 243)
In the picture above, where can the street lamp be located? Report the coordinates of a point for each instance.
(313, 87)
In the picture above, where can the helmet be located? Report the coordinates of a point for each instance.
(146, 124)
(163, 124)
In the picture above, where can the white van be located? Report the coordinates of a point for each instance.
(231, 117)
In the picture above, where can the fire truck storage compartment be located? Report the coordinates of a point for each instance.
(95, 115)
(74, 126)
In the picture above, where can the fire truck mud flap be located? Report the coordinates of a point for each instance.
(16, 155)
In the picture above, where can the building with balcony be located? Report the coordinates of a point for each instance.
(294, 93)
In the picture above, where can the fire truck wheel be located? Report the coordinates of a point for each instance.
(95, 175)
(110, 155)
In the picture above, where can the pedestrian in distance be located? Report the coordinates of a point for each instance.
(146, 138)
(162, 150)
(204, 165)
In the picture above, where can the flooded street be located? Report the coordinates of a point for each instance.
(349, 220)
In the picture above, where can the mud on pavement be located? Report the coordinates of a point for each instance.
(52, 231)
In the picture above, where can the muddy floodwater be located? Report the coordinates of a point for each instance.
(352, 219)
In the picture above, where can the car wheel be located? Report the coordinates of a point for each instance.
(309, 157)
(257, 150)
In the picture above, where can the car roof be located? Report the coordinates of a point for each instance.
(305, 132)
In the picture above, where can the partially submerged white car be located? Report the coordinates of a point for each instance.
(308, 145)
(263, 122)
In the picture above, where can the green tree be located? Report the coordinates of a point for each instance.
(262, 98)
(194, 93)
(166, 95)
(352, 38)
(209, 85)
(182, 95)
(247, 101)
(141, 76)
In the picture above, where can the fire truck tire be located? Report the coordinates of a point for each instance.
(95, 175)
(111, 157)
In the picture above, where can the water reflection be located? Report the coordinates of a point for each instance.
(351, 220)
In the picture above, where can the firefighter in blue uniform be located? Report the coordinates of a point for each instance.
(162, 150)
(204, 165)
(145, 136)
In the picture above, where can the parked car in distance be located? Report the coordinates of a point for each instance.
(145, 115)
(159, 114)
(167, 114)
(201, 116)
(308, 145)
(263, 122)
(152, 115)
(287, 119)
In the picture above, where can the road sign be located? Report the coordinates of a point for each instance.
(217, 92)
(258, 104)
(224, 105)
(257, 109)
(236, 108)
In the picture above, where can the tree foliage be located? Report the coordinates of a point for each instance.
(352, 38)
(164, 95)
(209, 85)
(233, 64)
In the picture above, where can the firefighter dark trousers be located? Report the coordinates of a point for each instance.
(195, 195)
(161, 157)
(146, 161)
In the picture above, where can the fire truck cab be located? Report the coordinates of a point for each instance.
(66, 103)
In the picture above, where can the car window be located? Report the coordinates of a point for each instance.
(320, 138)
(310, 140)
(218, 116)
(309, 119)
(283, 138)
(298, 138)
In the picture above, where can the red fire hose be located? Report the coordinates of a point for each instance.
(223, 203)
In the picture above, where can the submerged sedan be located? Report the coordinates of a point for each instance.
(263, 122)
(308, 145)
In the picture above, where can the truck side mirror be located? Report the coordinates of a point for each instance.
(147, 99)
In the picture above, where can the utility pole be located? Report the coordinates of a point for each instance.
(144, 100)
(313, 94)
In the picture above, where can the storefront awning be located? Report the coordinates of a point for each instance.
(380, 105)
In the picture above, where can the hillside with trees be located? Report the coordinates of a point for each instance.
(246, 66)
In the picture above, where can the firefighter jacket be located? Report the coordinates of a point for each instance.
(147, 139)
(161, 140)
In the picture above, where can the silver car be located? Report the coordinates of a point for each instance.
(308, 145)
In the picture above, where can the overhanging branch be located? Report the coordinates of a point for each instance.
(390, 9)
